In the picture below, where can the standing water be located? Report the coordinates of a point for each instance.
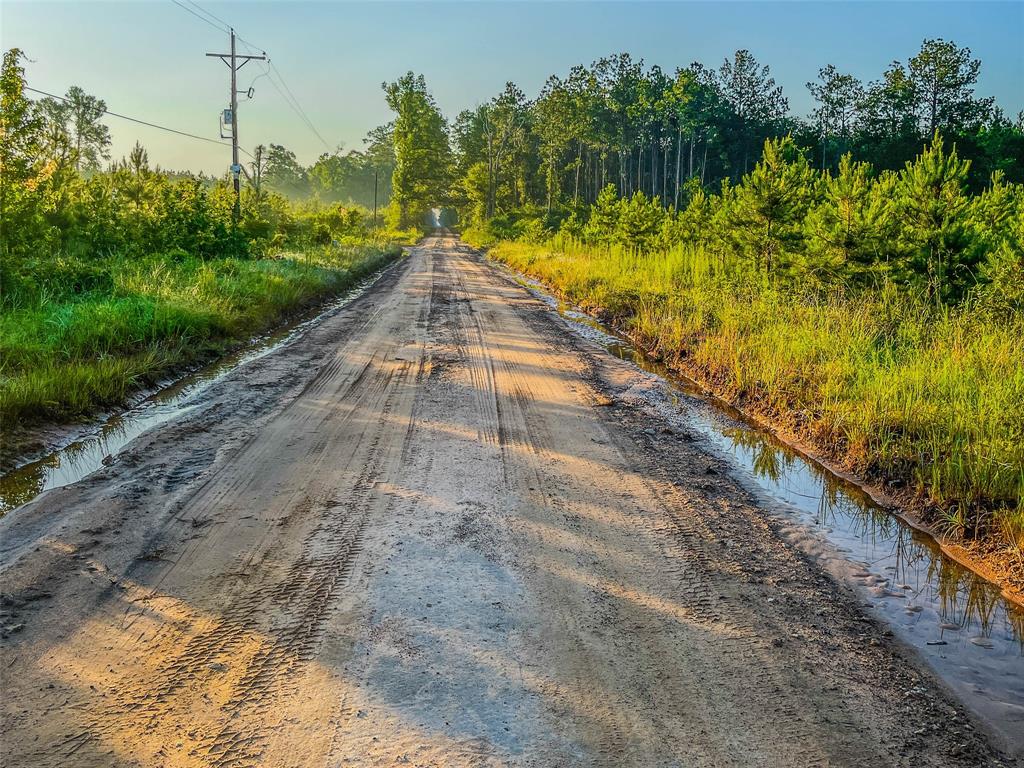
(959, 622)
(88, 454)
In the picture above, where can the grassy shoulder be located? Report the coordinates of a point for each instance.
(80, 334)
(929, 402)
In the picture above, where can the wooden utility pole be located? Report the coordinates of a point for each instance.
(231, 59)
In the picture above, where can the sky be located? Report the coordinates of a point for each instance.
(146, 58)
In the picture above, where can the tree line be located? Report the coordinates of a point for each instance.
(644, 129)
(786, 221)
(911, 177)
(360, 177)
(669, 156)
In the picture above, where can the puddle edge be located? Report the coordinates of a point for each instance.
(290, 329)
(877, 493)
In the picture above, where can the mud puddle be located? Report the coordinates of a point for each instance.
(962, 625)
(87, 454)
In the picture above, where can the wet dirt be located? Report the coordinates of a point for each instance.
(960, 622)
(439, 530)
(81, 450)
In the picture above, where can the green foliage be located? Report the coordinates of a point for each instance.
(943, 77)
(770, 206)
(888, 386)
(935, 216)
(498, 155)
(283, 173)
(636, 222)
(852, 232)
(756, 102)
(351, 177)
(604, 217)
(919, 229)
(113, 278)
(21, 168)
(837, 96)
(641, 129)
(422, 155)
(476, 191)
(77, 333)
(999, 217)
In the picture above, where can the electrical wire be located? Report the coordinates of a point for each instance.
(249, 46)
(201, 18)
(287, 94)
(261, 75)
(288, 101)
(213, 16)
(297, 106)
(226, 26)
(137, 120)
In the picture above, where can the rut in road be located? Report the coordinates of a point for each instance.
(425, 539)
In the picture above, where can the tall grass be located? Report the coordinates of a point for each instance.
(883, 382)
(79, 334)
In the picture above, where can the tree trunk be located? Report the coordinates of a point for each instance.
(654, 168)
(589, 175)
(639, 170)
(679, 158)
(490, 176)
(579, 162)
(664, 175)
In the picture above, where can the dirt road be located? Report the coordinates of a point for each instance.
(438, 530)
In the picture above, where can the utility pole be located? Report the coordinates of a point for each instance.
(231, 59)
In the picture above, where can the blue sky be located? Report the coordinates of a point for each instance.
(146, 58)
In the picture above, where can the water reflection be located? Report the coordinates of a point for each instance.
(86, 455)
(912, 565)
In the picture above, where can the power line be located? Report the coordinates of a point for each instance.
(213, 16)
(278, 86)
(226, 27)
(135, 119)
(290, 99)
(201, 18)
(298, 107)
(261, 75)
(250, 46)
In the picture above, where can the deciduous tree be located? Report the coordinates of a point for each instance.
(422, 153)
